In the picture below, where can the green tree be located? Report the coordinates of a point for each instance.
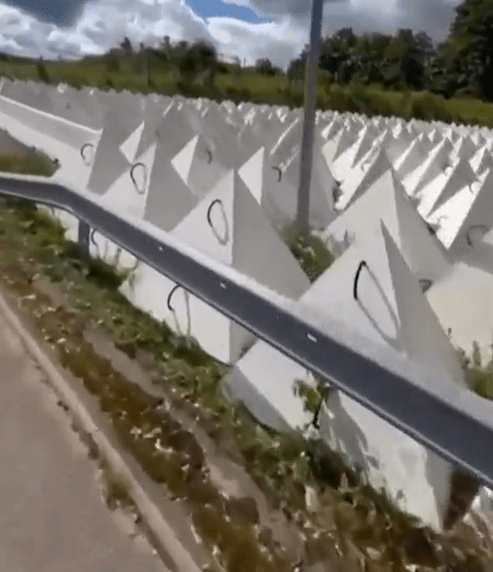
(479, 60)
(464, 60)
(126, 45)
(205, 54)
(188, 67)
(42, 71)
(295, 72)
(264, 66)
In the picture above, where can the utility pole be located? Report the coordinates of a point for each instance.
(302, 215)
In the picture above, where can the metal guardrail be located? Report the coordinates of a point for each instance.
(450, 420)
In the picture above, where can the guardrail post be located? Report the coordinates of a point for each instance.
(83, 238)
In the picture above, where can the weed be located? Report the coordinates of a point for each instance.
(32, 163)
(478, 372)
(116, 488)
(311, 253)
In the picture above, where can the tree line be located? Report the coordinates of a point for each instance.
(403, 61)
(460, 65)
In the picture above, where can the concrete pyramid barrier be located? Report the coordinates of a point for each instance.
(129, 148)
(329, 149)
(437, 161)
(332, 128)
(197, 165)
(323, 191)
(390, 310)
(395, 146)
(228, 225)
(47, 129)
(470, 207)
(152, 118)
(167, 203)
(469, 288)
(150, 157)
(387, 201)
(445, 186)
(233, 150)
(412, 158)
(347, 138)
(465, 148)
(25, 93)
(177, 128)
(415, 478)
(79, 107)
(254, 173)
(347, 160)
(481, 160)
(58, 138)
(360, 180)
(109, 162)
(382, 139)
(169, 199)
(127, 194)
(287, 143)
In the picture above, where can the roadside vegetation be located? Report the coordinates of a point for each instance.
(309, 250)
(19, 159)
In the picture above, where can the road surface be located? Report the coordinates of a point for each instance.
(52, 514)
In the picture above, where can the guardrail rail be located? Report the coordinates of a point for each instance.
(450, 420)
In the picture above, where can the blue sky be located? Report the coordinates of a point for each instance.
(217, 8)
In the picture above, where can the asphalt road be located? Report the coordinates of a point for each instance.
(52, 514)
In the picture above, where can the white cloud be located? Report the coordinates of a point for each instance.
(103, 23)
(280, 42)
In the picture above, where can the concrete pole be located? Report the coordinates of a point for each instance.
(302, 215)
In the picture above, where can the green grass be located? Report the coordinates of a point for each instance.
(310, 252)
(30, 163)
(247, 85)
(478, 372)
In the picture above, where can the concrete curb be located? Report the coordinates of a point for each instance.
(160, 528)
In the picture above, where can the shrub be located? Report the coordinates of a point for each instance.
(112, 62)
(429, 107)
(237, 95)
(42, 72)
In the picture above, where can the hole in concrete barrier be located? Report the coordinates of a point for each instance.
(225, 238)
(311, 338)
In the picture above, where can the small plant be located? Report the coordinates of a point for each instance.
(42, 72)
(32, 163)
(116, 488)
(312, 254)
(479, 375)
(309, 394)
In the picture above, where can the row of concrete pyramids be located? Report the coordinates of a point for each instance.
(454, 200)
(414, 201)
